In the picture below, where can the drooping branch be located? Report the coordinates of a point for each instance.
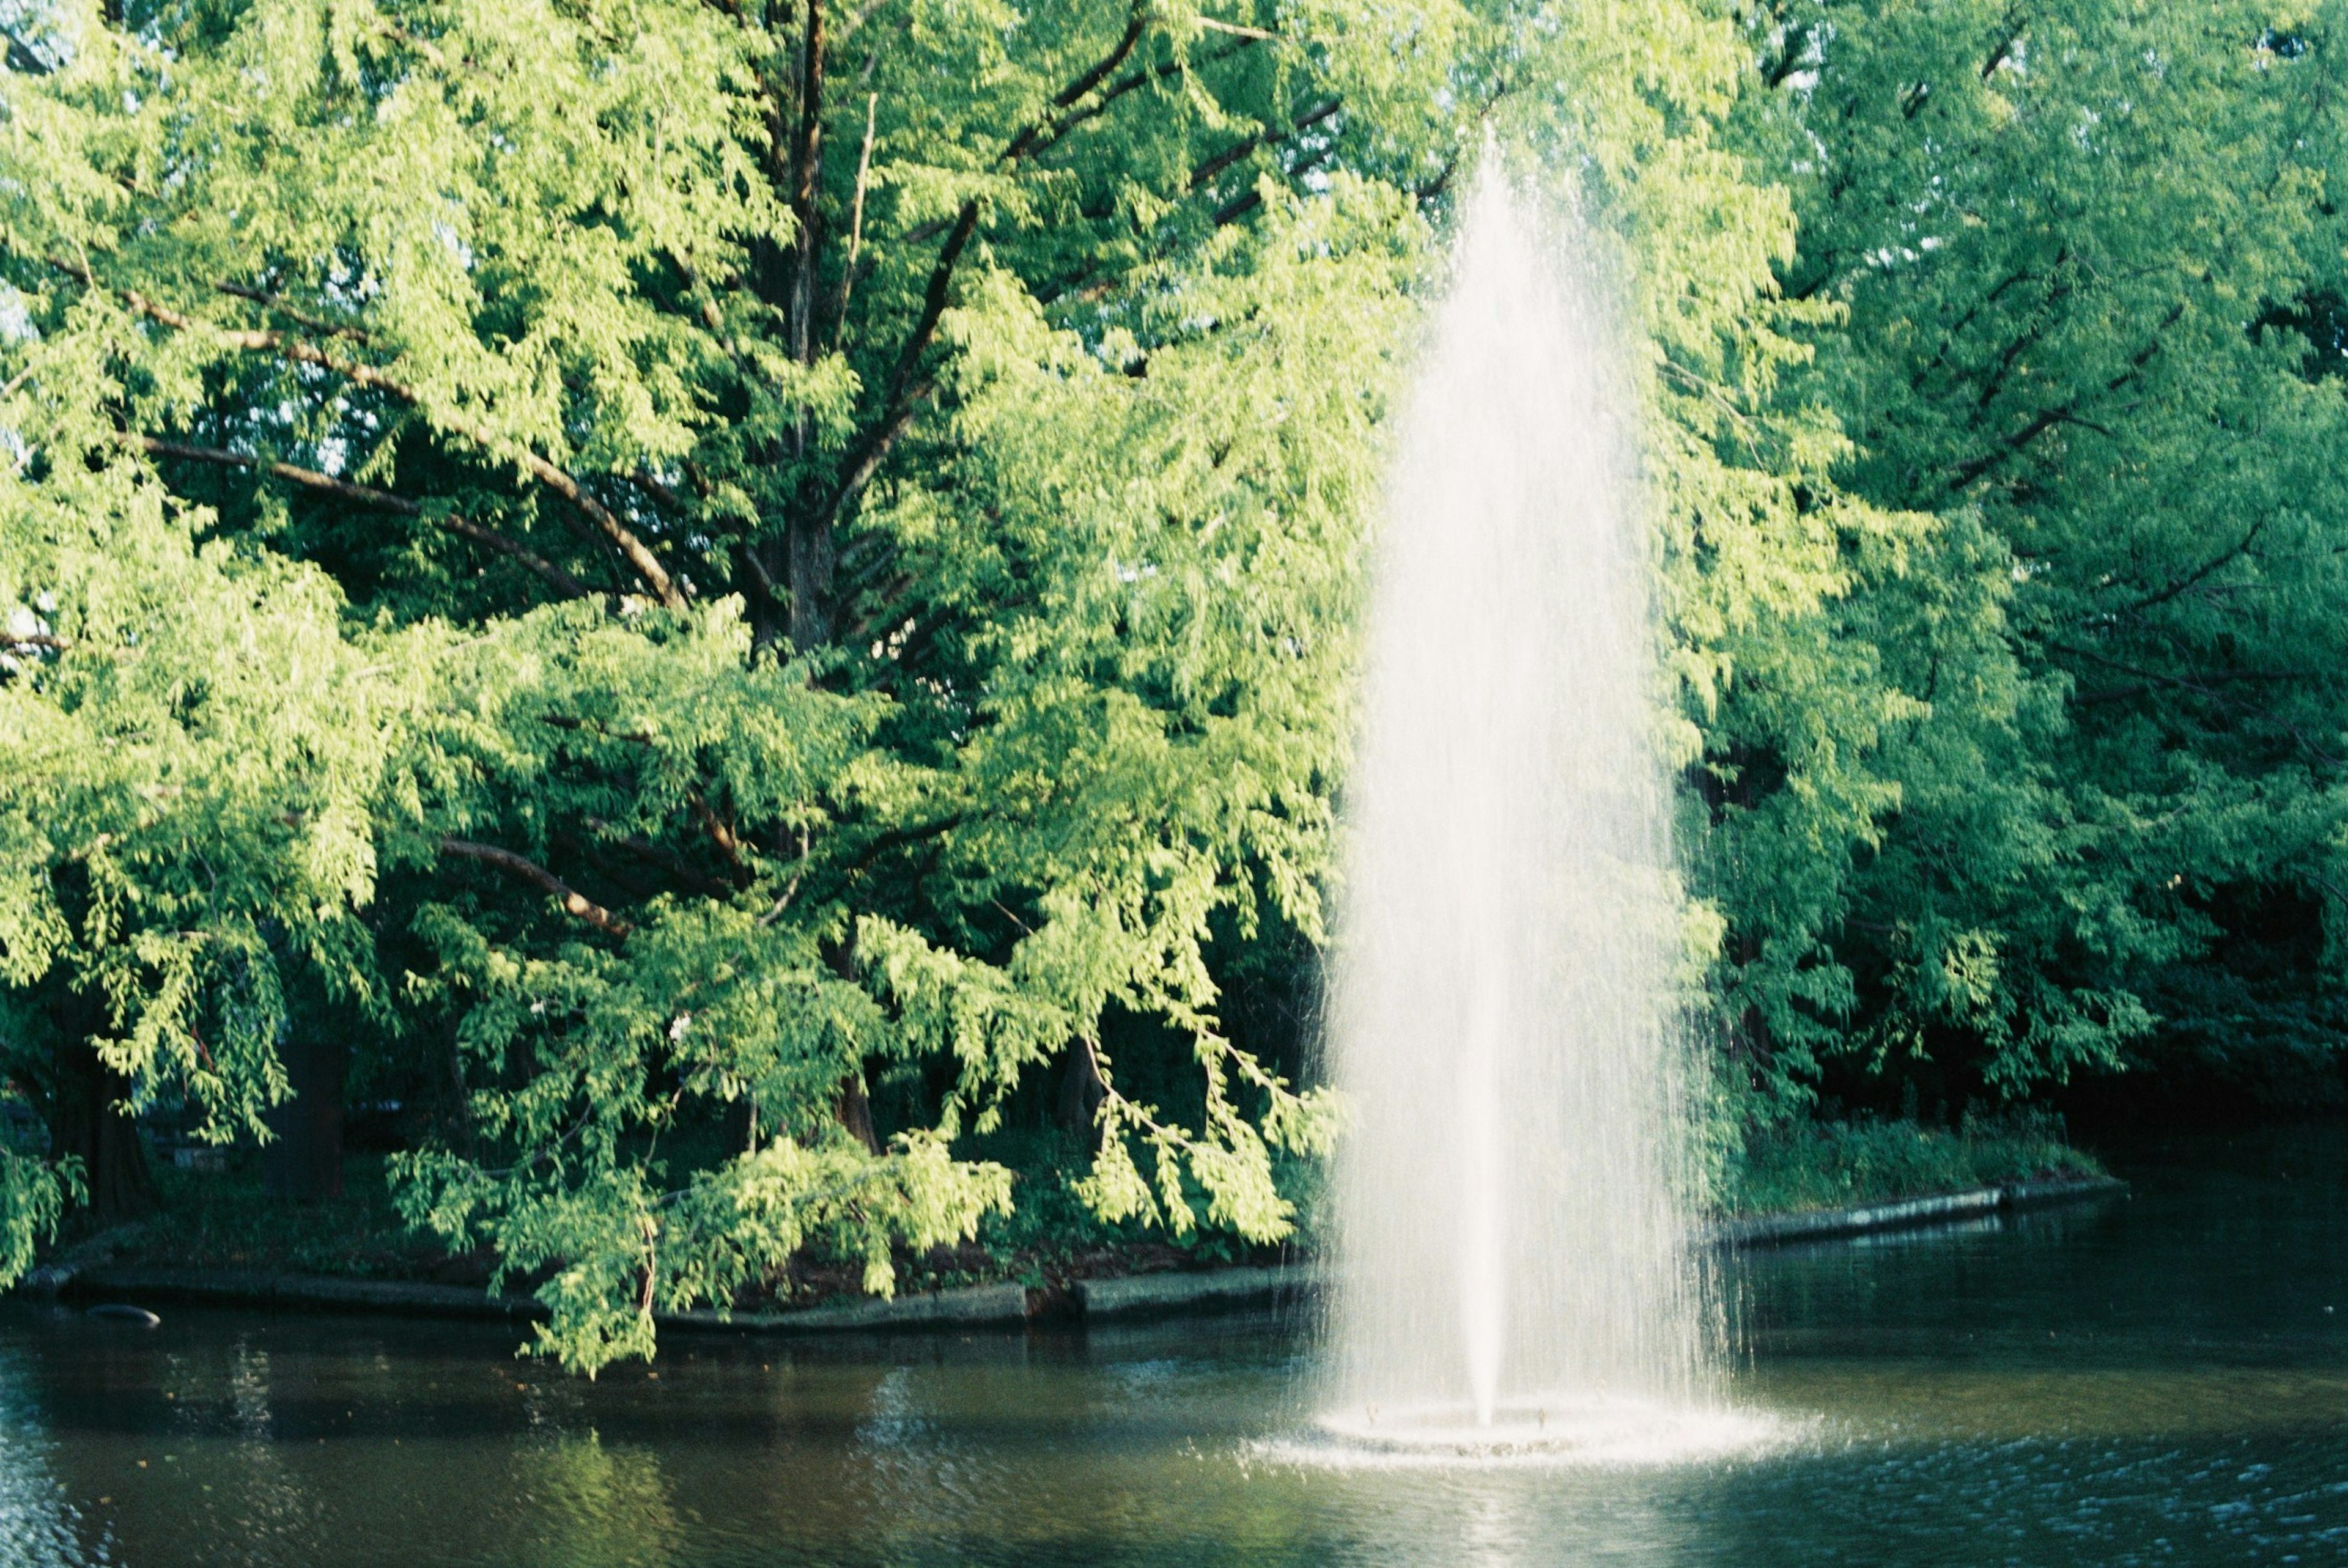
(380, 500)
(633, 549)
(574, 902)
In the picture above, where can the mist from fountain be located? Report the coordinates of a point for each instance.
(1511, 1242)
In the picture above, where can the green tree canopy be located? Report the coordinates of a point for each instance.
(831, 538)
(756, 577)
(2074, 267)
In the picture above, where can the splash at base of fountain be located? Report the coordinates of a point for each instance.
(1567, 1429)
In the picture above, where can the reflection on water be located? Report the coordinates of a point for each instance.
(39, 1527)
(572, 1499)
(2150, 1380)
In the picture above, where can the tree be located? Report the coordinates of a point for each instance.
(2071, 264)
(841, 530)
(171, 828)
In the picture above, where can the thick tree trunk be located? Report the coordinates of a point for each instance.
(304, 1163)
(812, 563)
(86, 1121)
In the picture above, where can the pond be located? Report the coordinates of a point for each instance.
(2157, 1378)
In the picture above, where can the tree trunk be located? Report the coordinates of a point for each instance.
(741, 1133)
(855, 1111)
(86, 1121)
(305, 1164)
(1082, 1089)
(811, 568)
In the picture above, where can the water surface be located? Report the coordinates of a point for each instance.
(2158, 1379)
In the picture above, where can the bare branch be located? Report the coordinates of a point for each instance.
(1235, 30)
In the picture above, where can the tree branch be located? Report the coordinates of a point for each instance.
(2004, 51)
(1789, 59)
(666, 859)
(24, 62)
(306, 322)
(1043, 136)
(2203, 682)
(381, 500)
(638, 555)
(723, 836)
(574, 902)
(1265, 138)
(855, 222)
(2180, 585)
(807, 174)
(1973, 469)
(873, 450)
(863, 458)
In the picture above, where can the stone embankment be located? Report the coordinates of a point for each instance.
(87, 1273)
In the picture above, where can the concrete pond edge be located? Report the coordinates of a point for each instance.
(87, 1273)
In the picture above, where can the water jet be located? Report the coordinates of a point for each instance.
(1511, 1238)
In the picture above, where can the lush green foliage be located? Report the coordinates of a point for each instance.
(1806, 1165)
(741, 592)
(2075, 272)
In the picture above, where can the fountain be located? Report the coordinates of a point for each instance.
(1513, 1267)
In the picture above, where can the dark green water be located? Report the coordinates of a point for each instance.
(2160, 1380)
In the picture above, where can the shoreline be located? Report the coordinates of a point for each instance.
(92, 1276)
